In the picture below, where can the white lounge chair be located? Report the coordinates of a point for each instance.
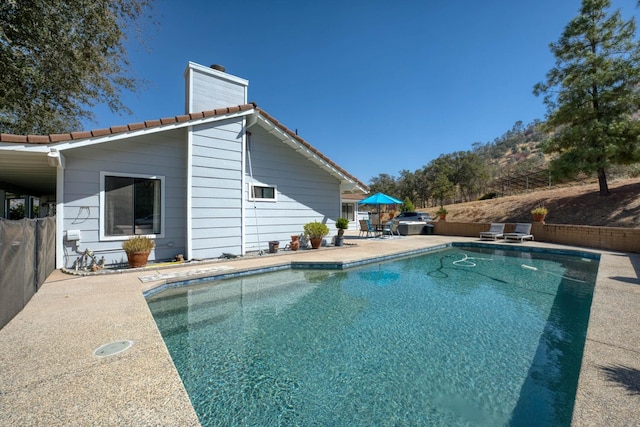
(522, 232)
(496, 231)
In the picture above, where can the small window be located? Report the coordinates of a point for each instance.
(132, 205)
(264, 193)
(348, 211)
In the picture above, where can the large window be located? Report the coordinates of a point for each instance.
(132, 205)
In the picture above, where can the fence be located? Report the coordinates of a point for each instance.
(27, 257)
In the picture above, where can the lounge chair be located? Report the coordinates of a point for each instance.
(522, 232)
(391, 228)
(496, 231)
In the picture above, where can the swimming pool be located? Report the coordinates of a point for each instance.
(462, 336)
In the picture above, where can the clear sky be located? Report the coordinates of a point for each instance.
(377, 86)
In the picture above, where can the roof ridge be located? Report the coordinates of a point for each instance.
(71, 136)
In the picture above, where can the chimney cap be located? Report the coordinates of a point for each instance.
(218, 67)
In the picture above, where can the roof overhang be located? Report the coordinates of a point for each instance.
(29, 168)
(348, 183)
(28, 164)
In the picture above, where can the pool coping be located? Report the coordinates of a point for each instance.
(50, 375)
(179, 281)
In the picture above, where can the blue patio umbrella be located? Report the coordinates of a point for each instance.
(380, 199)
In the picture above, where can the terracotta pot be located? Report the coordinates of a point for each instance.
(539, 217)
(316, 242)
(295, 243)
(138, 259)
(443, 217)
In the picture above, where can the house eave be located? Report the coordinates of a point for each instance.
(115, 134)
(348, 183)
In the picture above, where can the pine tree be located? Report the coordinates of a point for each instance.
(592, 94)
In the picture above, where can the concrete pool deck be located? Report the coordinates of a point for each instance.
(50, 376)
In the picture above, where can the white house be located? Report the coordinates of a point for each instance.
(225, 177)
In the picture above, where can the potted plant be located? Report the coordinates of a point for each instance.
(315, 231)
(442, 213)
(341, 224)
(539, 213)
(138, 249)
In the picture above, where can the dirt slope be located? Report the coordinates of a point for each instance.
(579, 204)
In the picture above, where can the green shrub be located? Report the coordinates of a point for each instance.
(342, 223)
(316, 230)
(407, 205)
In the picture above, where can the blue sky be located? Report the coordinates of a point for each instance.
(377, 86)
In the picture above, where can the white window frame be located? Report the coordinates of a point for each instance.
(354, 210)
(163, 220)
(260, 199)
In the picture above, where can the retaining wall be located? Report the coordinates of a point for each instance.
(606, 238)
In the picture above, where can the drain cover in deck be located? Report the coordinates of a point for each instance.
(112, 348)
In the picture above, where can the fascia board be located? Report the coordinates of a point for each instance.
(60, 146)
(305, 151)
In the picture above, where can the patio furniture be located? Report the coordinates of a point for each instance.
(520, 233)
(390, 228)
(366, 228)
(496, 231)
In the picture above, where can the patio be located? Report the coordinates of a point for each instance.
(50, 375)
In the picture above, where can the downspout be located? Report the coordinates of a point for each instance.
(189, 237)
(60, 217)
(243, 183)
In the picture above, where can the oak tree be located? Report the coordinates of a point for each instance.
(58, 58)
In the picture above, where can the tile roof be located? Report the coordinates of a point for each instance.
(63, 137)
(113, 130)
(354, 197)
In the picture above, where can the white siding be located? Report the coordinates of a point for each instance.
(216, 205)
(305, 193)
(157, 154)
(211, 89)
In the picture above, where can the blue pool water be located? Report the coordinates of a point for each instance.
(464, 336)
